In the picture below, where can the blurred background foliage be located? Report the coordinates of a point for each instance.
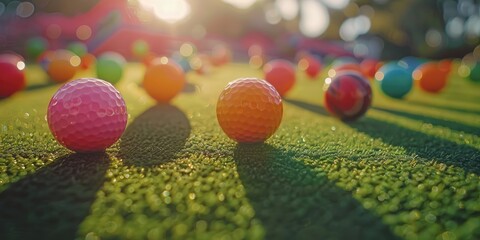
(427, 28)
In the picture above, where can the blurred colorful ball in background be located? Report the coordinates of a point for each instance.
(78, 48)
(220, 55)
(35, 47)
(12, 76)
(475, 73)
(429, 77)
(370, 67)
(281, 74)
(63, 65)
(310, 65)
(140, 49)
(14, 58)
(163, 79)
(182, 61)
(445, 65)
(394, 80)
(348, 95)
(109, 67)
(410, 63)
(200, 63)
(188, 50)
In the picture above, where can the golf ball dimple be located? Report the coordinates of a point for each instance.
(87, 115)
(249, 110)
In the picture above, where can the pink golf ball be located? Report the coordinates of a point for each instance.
(87, 115)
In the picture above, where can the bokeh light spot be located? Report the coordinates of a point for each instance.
(272, 15)
(21, 65)
(303, 64)
(12, 6)
(25, 9)
(454, 27)
(433, 38)
(476, 52)
(164, 60)
(336, 4)
(256, 62)
(367, 10)
(186, 50)
(288, 9)
(463, 71)
(75, 61)
(84, 32)
(196, 63)
(354, 27)
(315, 18)
(379, 76)
(243, 4)
(54, 31)
(331, 73)
(472, 26)
(417, 75)
(170, 11)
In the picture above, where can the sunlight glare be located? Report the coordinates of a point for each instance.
(243, 4)
(314, 18)
(336, 4)
(288, 8)
(167, 10)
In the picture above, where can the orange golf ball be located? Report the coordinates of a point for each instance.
(249, 110)
(61, 70)
(430, 78)
(163, 79)
(63, 65)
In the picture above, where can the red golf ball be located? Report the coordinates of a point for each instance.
(310, 65)
(12, 77)
(348, 96)
(281, 74)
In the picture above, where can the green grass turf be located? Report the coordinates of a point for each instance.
(408, 170)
